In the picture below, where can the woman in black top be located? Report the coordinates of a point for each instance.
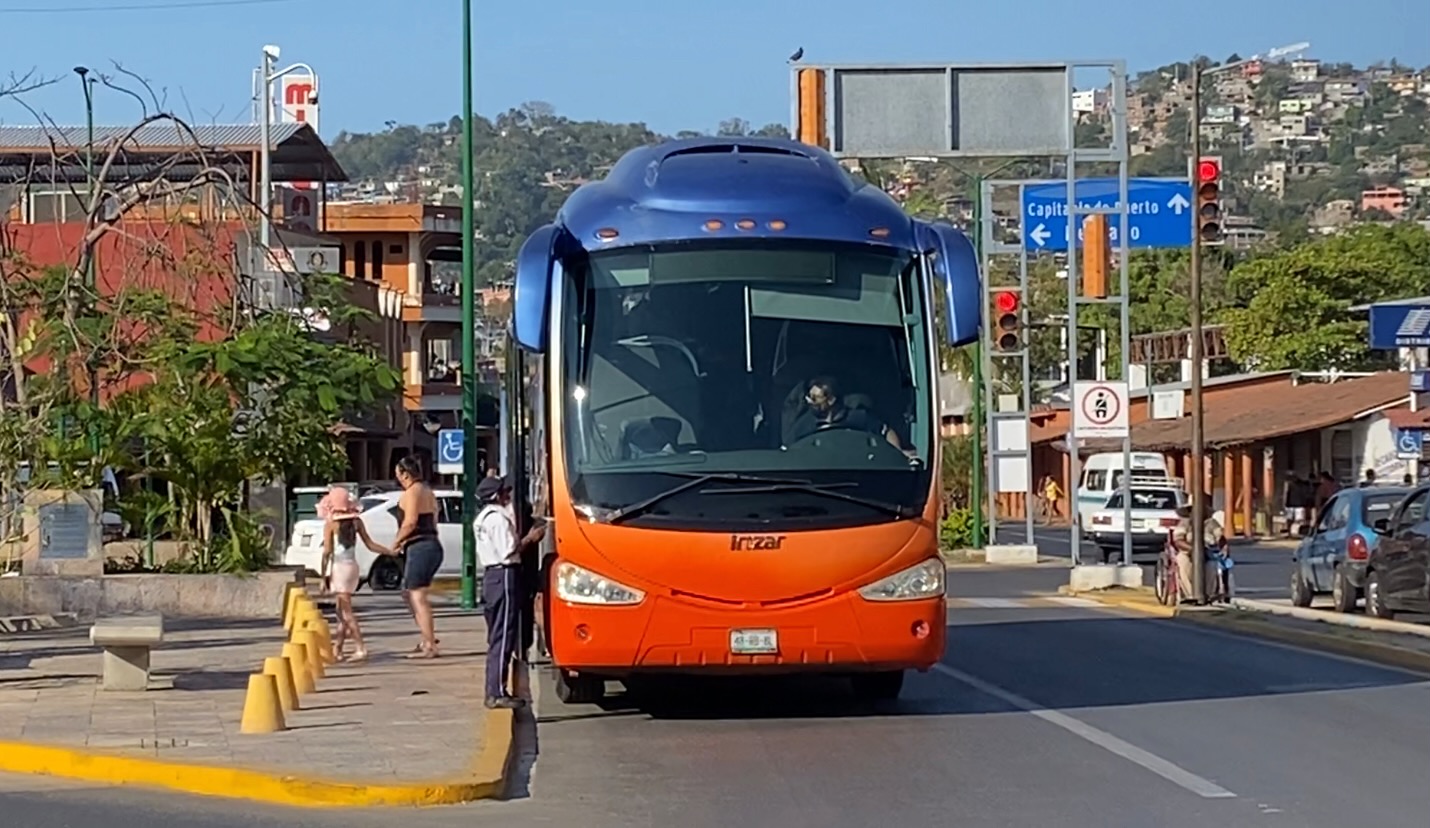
(417, 539)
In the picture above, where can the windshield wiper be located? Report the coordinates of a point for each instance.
(696, 480)
(828, 490)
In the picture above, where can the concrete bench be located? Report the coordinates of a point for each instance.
(126, 641)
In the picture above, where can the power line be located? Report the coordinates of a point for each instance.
(181, 4)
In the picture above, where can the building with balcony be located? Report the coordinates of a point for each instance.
(415, 251)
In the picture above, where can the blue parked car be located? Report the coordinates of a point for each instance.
(1332, 557)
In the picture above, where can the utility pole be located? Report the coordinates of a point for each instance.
(90, 207)
(1197, 475)
(469, 334)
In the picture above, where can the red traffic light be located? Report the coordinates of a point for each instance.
(1208, 170)
(1006, 301)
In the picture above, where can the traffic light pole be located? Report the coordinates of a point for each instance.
(975, 495)
(1197, 474)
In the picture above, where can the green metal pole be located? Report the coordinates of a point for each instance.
(469, 337)
(976, 477)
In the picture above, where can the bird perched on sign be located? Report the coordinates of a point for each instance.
(798, 53)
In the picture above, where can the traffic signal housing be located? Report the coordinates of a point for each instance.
(1008, 320)
(1096, 256)
(1208, 192)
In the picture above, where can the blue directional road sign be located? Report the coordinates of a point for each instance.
(1407, 442)
(1394, 326)
(1157, 213)
(450, 448)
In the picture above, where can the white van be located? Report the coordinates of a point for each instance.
(1102, 476)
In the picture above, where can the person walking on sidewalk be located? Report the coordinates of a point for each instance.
(341, 574)
(416, 513)
(500, 552)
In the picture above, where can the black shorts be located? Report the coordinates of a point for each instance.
(424, 558)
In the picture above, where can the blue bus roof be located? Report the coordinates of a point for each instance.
(667, 192)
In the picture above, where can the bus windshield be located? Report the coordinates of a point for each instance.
(790, 364)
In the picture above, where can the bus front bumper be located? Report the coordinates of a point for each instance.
(843, 633)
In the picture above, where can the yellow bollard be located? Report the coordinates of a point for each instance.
(297, 656)
(282, 673)
(303, 614)
(290, 605)
(325, 637)
(310, 642)
(262, 712)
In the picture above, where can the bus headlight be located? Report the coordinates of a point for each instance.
(924, 580)
(582, 586)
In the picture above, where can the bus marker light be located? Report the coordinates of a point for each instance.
(714, 224)
(777, 225)
(607, 233)
(745, 224)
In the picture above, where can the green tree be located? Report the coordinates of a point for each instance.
(1293, 304)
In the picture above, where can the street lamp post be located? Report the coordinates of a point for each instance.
(87, 83)
(266, 76)
(469, 344)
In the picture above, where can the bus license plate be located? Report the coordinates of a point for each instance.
(748, 642)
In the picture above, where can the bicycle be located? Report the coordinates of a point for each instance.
(1167, 582)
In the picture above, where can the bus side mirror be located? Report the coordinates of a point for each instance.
(955, 270)
(531, 289)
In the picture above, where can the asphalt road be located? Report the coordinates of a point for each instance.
(1054, 716)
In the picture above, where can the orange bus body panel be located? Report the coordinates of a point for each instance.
(698, 589)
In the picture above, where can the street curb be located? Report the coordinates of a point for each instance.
(1258, 624)
(1142, 601)
(487, 778)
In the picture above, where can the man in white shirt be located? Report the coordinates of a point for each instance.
(499, 551)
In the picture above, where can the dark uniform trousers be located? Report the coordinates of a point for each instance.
(502, 601)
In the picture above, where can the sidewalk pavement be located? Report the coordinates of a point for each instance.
(389, 721)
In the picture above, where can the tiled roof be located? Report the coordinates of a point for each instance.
(1235, 419)
(159, 135)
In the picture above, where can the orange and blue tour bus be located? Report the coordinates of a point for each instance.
(724, 382)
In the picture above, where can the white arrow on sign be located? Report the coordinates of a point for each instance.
(1040, 235)
(1179, 203)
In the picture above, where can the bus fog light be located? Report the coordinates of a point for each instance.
(923, 580)
(582, 586)
(583, 632)
(920, 629)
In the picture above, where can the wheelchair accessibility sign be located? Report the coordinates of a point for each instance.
(1408, 442)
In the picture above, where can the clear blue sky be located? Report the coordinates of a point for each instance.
(674, 64)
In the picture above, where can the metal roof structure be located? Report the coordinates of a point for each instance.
(57, 153)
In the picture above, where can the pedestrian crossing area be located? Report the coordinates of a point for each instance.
(1025, 602)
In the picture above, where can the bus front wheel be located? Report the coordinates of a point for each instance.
(878, 686)
(579, 689)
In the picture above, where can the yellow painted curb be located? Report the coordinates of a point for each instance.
(486, 780)
(1143, 601)
(1338, 640)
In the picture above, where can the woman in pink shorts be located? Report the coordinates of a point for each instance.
(340, 566)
